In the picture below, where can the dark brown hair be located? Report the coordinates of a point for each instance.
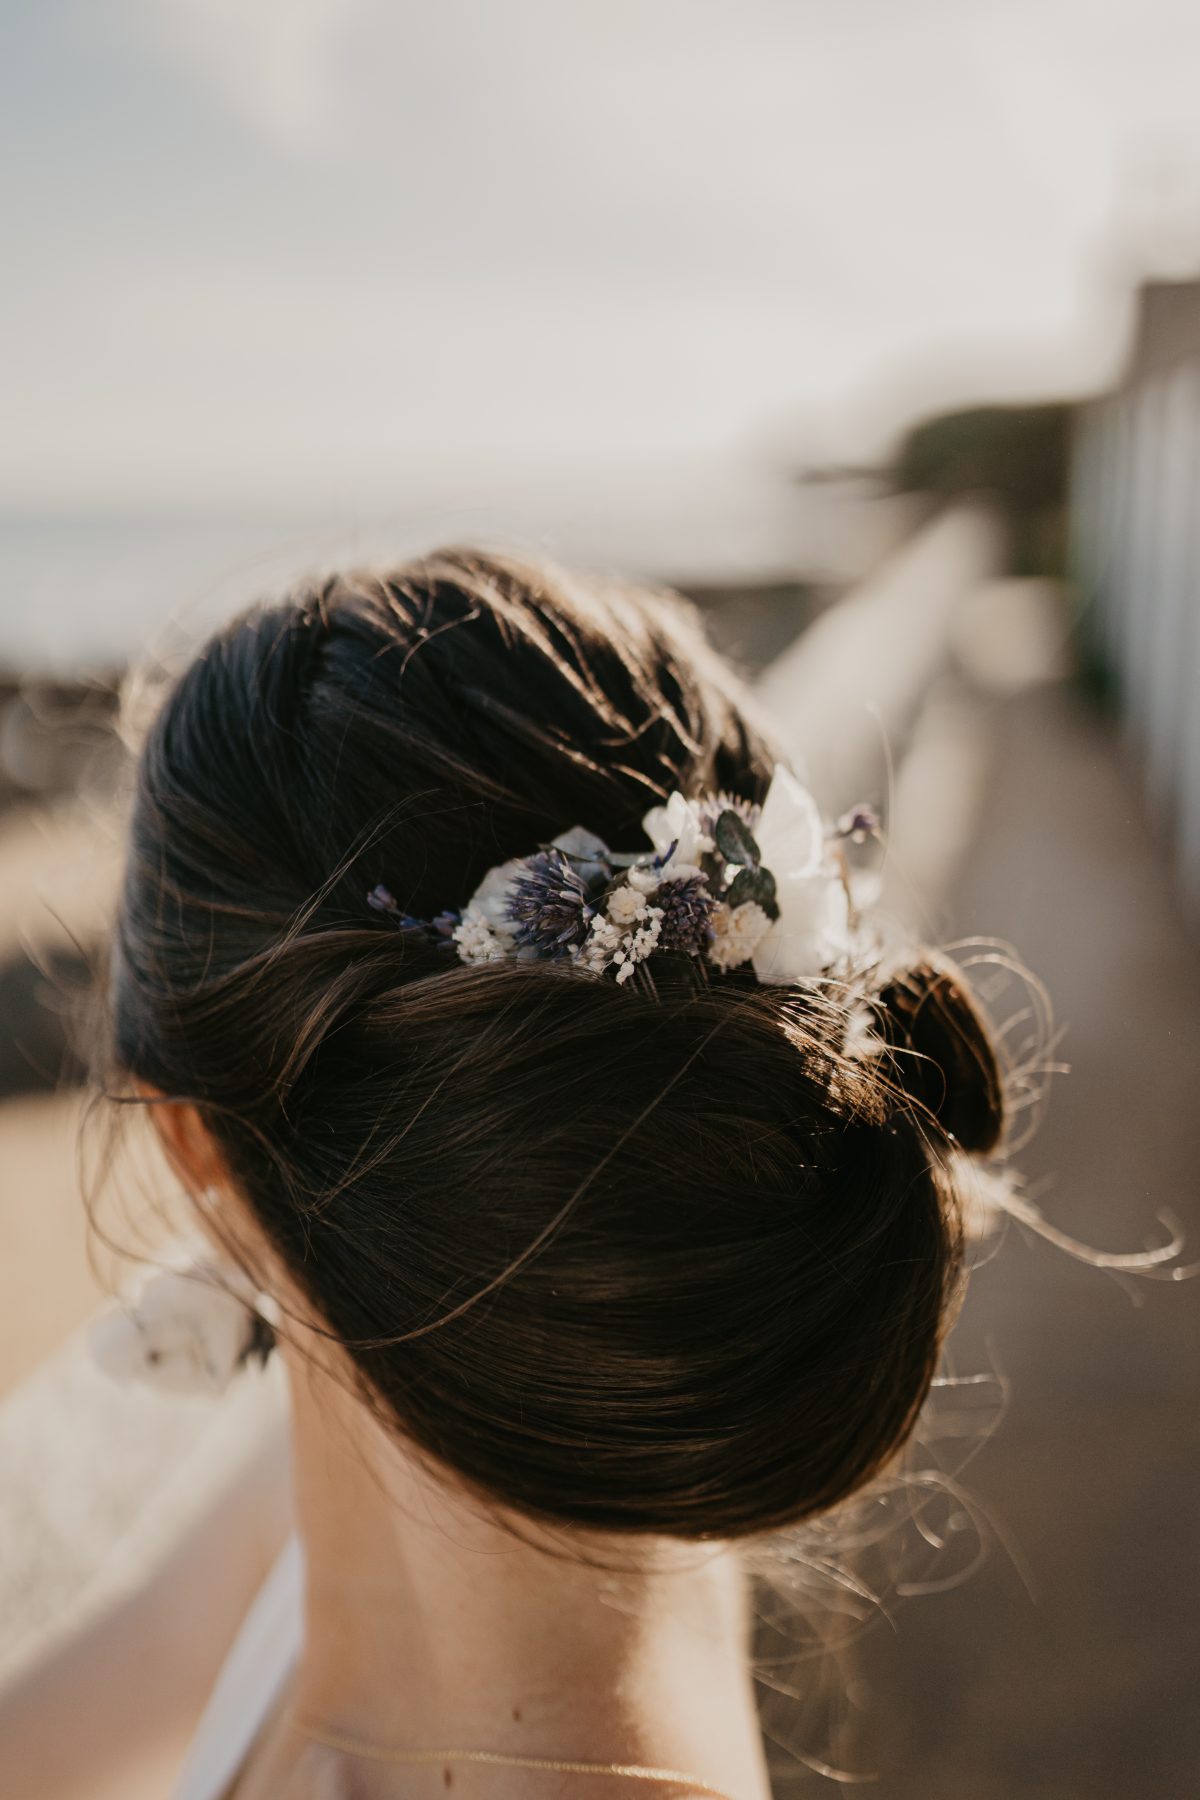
(663, 1257)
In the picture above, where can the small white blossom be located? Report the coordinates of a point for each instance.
(737, 932)
(624, 938)
(479, 942)
(601, 944)
(677, 823)
(625, 904)
(486, 933)
(639, 944)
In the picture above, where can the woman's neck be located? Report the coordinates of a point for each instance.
(430, 1625)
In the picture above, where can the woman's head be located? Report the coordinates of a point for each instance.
(672, 1256)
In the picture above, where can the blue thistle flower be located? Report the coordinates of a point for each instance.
(549, 905)
(687, 909)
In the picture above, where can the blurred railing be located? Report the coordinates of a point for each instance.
(869, 705)
(1135, 524)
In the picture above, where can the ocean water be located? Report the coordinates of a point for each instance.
(89, 591)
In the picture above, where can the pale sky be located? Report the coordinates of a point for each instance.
(282, 252)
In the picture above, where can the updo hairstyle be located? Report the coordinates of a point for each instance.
(672, 1257)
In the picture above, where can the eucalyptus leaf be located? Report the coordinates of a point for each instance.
(581, 845)
(735, 840)
(753, 884)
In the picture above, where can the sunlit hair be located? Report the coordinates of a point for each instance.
(672, 1257)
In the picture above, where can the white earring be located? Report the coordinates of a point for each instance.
(187, 1328)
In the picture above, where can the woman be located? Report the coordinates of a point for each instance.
(508, 1016)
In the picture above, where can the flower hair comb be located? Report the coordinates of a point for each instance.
(727, 881)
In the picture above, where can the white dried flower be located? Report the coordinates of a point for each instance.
(625, 940)
(625, 904)
(490, 899)
(186, 1330)
(678, 823)
(645, 878)
(789, 832)
(601, 944)
(486, 933)
(814, 929)
(479, 942)
(737, 932)
(639, 944)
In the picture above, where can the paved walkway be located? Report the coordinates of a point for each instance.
(1089, 1688)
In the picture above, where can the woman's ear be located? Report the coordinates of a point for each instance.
(216, 1207)
(186, 1143)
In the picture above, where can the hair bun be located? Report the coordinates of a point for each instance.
(944, 1057)
(641, 1258)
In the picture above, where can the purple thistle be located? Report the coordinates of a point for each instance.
(687, 909)
(548, 903)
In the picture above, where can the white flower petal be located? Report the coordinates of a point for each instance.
(790, 834)
(811, 932)
(677, 823)
(657, 828)
(647, 880)
(184, 1333)
(489, 902)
